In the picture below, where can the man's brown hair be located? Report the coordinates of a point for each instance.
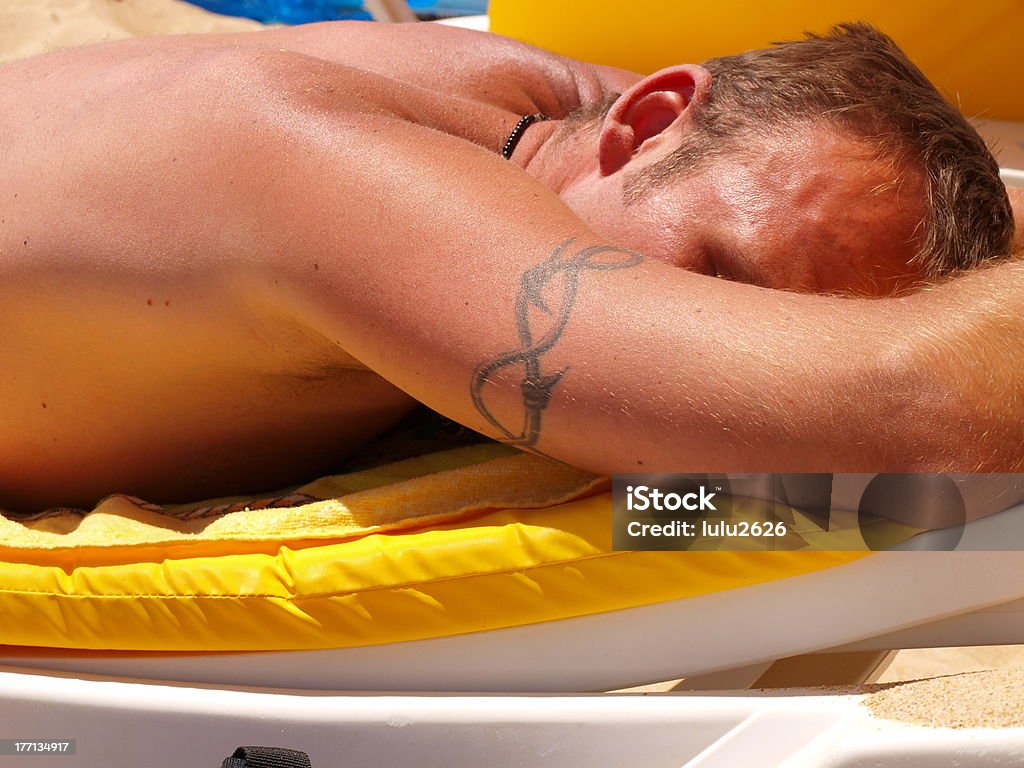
(858, 79)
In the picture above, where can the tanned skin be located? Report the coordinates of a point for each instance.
(227, 262)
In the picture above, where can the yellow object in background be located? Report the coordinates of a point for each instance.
(971, 51)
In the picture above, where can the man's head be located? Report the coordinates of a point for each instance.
(828, 164)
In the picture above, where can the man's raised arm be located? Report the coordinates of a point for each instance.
(462, 281)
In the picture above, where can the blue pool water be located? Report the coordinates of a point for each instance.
(303, 11)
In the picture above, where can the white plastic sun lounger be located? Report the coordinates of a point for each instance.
(120, 723)
(171, 710)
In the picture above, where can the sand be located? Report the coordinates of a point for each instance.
(934, 662)
(30, 27)
(993, 699)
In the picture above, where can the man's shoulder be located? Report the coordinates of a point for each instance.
(481, 66)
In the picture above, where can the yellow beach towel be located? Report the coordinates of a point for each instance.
(431, 489)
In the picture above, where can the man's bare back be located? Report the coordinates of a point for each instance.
(205, 239)
(149, 183)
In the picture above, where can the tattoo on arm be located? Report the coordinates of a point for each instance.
(555, 278)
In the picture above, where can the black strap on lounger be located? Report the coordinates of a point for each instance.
(266, 757)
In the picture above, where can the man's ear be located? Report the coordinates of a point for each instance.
(646, 110)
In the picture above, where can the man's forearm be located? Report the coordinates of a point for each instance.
(778, 382)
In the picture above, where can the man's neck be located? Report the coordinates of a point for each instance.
(557, 152)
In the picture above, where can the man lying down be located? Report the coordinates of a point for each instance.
(228, 261)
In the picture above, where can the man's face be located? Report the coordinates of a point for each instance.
(813, 211)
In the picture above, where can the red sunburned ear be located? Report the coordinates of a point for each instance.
(646, 110)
